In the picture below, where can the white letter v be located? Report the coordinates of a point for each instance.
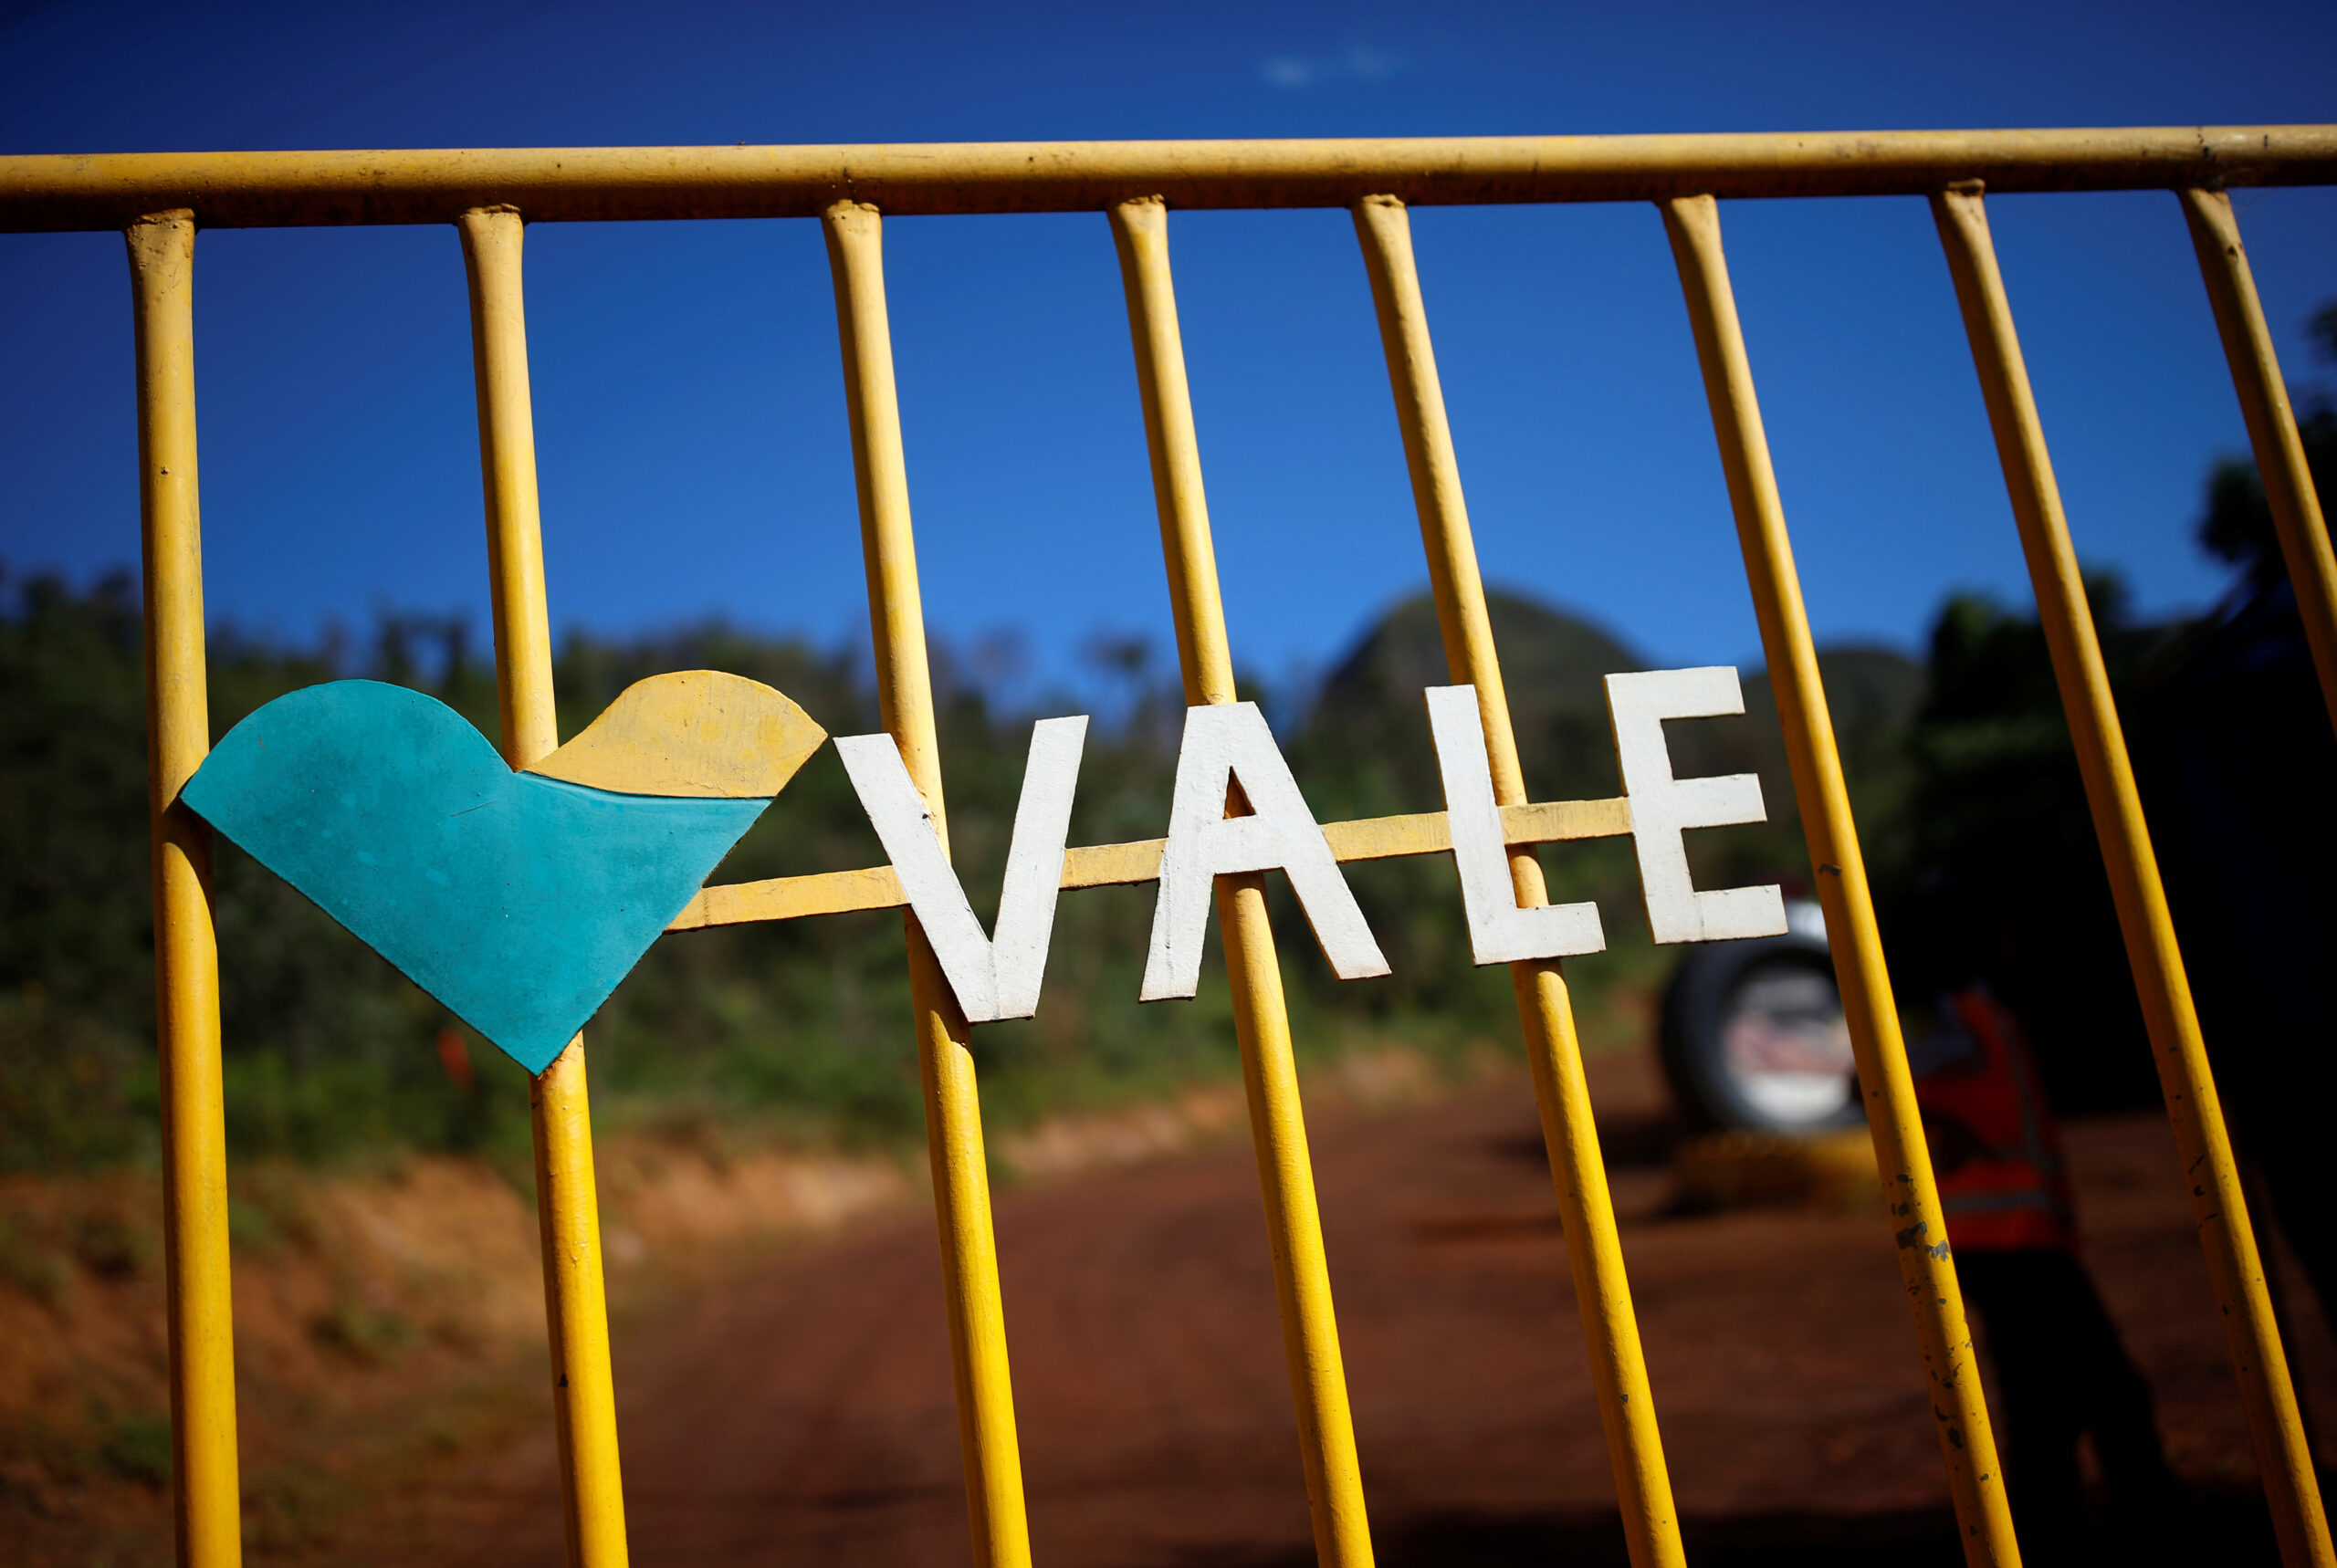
(993, 980)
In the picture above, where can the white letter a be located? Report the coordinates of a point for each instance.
(1223, 742)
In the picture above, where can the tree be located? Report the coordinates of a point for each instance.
(2237, 524)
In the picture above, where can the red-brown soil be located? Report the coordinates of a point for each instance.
(803, 1413)
(380, 1316)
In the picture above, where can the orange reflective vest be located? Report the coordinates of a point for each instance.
(2003, 1183)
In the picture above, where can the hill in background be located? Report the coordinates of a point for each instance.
(800, 1026)
(1369, 721)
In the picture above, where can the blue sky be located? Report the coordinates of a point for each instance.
(689, 409)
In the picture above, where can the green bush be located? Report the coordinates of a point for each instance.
(800, 1028)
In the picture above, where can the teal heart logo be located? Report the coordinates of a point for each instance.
(518, 899)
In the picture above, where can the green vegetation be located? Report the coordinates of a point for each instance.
(2237, 526)
(30, 1266)
(138, 1448)
(798, 1030)
(1994, 871)
(1961, 774)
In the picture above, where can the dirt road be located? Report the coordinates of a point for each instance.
(804, 1414)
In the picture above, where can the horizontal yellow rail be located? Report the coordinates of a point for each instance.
(267, 190)
(1113, 866)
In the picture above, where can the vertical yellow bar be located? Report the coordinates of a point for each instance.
(2217, 1203)
(2272, 426)
(568, 1208)
(1594, 1253)
(1975, 1479)
(953, 1118)
(1261, 1020)
(205, 1495)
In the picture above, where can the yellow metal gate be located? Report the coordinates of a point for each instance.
(161, 200)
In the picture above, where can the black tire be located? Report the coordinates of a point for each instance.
(1718, 984)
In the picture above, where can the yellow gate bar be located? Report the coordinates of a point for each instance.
(2272, 426)
(2217, 1205)
(1121, 865)
(205, 1494)
(1546, 1014)
(1261, 1020)
(262, 190)
(953, 1121)
(567, 1208)
(1975, 1479)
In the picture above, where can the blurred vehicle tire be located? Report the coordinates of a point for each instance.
(1752, 1035)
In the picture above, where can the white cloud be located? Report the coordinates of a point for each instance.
(1357, 62)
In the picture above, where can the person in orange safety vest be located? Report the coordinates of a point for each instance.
(2003, 1184)
(2004, 1187)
